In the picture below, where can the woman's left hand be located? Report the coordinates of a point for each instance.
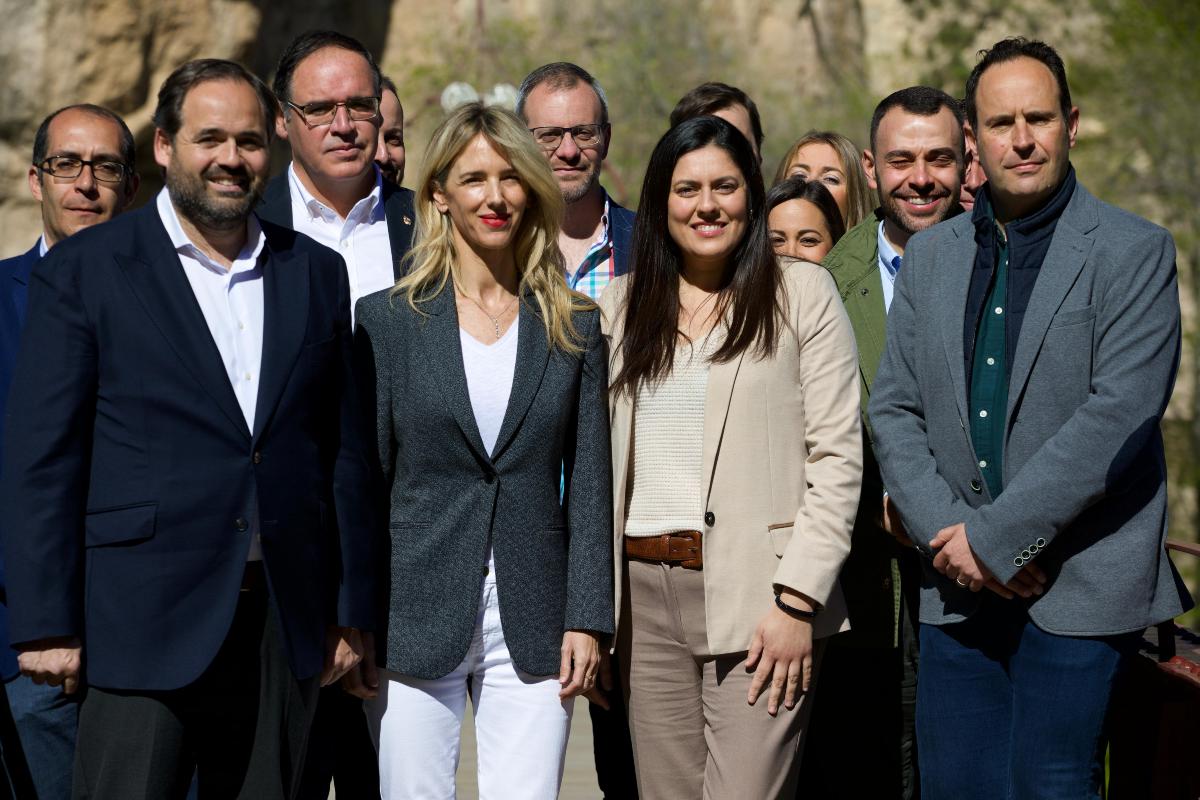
(580, 660)
(781, 653)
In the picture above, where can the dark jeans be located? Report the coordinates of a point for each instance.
(45, 720)
(240, 728)
(1008, 711)
(611, 745)
(339, 750)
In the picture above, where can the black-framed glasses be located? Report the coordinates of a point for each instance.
(550, 137)
(322, 112)
(69, 167)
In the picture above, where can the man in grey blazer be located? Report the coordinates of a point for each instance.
(1032, 348)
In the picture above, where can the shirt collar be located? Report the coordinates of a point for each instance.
(248, 255)
(889, 259)
(43, 248)
(367, 209)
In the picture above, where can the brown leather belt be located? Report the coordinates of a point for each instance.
(682, 548)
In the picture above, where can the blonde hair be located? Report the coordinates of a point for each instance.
(433, 259)
(860, 204)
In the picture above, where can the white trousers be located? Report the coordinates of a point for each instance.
(521, 726)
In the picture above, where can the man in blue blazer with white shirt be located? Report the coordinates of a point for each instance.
(185, 490)
(81, 174)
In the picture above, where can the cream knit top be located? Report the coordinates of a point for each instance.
(666, 487)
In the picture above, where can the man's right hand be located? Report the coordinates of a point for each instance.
(54, 661)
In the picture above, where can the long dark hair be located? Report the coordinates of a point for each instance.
(797, 188)
(749, 301)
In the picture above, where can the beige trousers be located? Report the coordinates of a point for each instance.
(694, 734)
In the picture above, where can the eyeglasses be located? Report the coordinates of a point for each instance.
(549, 138)
(322, 112)
(69, 167)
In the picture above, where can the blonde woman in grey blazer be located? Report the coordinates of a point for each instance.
(489, 378)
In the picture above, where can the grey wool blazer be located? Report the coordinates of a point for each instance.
(449, 497)
(1085, 492)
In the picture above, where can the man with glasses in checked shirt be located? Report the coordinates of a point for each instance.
(567, 114)
(82, 174)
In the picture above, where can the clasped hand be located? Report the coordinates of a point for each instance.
(956, 560)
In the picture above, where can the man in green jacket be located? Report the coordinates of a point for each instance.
(861, 739)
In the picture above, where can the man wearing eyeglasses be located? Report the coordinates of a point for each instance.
(329, 89)
(82, 174)
(567, 113)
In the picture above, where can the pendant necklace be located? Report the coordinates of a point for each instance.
(496, 319)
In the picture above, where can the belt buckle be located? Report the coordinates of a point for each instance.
(684, 547)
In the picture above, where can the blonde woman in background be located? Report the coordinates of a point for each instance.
(489, 378)
(833, 160)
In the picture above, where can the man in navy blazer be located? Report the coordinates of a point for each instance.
(333, 190)
(81, 174)
(184, 488)
(567, 113)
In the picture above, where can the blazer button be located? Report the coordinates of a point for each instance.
(976, 486)
(485, 570)
(240, 524)
(257, 457)
(710, 518)
(489, 477)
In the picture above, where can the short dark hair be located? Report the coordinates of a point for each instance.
(386, 83)
(709, 98)
(41, 139)
(924, 101)
(560, 75)
(168, 115)
(308, 43)
(751, 296)
(797, 188)
(1009, 50)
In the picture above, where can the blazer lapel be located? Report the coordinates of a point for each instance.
(1068, 251)
(721, 379)
(398, 209)
(533, 353)
(158, 280)
(441, 337)
(285, 316)
(953, 282)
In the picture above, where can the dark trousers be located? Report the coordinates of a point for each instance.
(340, 750)
(611, 745)
(240, 727)
(1008, 711)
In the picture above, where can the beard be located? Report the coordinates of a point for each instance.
(894, 213)
(577, 191)
(189, 194)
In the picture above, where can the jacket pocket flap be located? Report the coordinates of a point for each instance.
(781, 536)
(127, 525)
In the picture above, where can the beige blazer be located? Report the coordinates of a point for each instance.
(783, 456)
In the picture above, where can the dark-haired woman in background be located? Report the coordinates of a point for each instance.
(833, 160)
(803, 219)
(736, 454)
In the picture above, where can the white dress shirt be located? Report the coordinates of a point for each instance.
(361, 238)
(232, 303)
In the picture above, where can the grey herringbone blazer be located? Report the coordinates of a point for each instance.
(449, 497)
(1085, 492)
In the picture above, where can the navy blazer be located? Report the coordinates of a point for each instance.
(130, 474)
(276, 207)
(450, 498)
(620, 220)
(14, 278)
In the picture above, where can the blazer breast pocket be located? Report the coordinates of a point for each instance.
(120, 526)
(1073, 316)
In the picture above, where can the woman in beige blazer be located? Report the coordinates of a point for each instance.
(737, 460)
